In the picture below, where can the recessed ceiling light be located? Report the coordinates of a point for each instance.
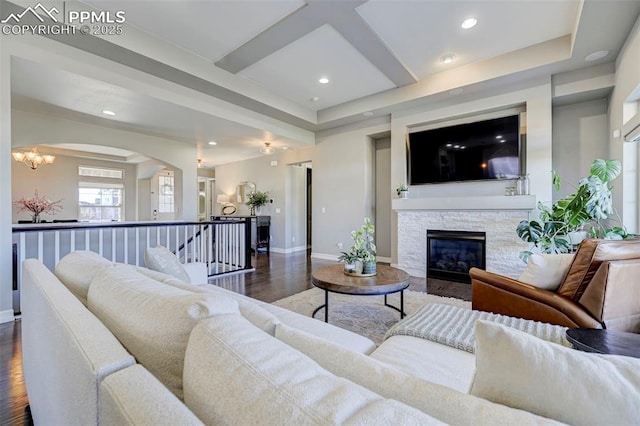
(367, 113)
(448, 145)
(596, 55)
(213, 143)
(314, 99)
(284, 148)
(456, 146)
(469, 23)
(107, 112)
(499, 137)
(323, 80)
(447, 59)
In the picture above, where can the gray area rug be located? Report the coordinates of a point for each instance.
(365, 315)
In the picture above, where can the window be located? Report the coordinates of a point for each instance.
(165, 193)
(100, 194)
(100, 172)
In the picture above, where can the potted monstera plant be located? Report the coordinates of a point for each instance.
(587, 210)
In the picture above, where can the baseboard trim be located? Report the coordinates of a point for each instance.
(383, 259)
(325, 256)
(6, 316)
(289, 250)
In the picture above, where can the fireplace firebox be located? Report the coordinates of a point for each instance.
(450, 254)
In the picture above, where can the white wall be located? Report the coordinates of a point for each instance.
(282, 184)
(627, 80)
(383, 197)
(59, 181)
(579, 137)
(296, 207)
(6, 296)
(343, 186)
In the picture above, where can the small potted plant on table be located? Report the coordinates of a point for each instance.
(360, 260)
(402, 190)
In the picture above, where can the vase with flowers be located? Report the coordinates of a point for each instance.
(255, 201)
(37, 205)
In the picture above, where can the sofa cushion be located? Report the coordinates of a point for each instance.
(522, 371)
(248, 308)
(441, 402)
(546, 271)
(237, 374)
(428, 360)
(345, 338)
(266, 316)
(151, 319)
(133, 396)
(77, 269)
(161, 259)
(154, 275)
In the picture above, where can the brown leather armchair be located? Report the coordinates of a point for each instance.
(600, 290)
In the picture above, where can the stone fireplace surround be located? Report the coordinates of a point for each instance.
(498, 216)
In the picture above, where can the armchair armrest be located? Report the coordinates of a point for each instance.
(506, 296)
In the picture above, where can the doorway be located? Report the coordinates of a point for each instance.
(383, 193)
(163, 204)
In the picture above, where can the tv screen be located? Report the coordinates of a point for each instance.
(486, 149)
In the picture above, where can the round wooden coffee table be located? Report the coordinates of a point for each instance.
(333, 279)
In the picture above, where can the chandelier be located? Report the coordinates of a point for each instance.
(33, 159)
(267, 149)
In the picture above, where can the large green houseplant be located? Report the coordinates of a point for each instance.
(587, 209)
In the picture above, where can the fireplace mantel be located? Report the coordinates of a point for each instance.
(496, 202)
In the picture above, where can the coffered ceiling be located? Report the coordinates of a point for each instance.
(267, 57)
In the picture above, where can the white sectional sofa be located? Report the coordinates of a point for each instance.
(113, 344)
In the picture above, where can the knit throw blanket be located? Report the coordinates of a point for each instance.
(453, 326)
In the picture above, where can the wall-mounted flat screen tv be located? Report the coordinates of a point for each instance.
(488, 149)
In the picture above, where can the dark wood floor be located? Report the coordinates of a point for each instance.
(276, 276)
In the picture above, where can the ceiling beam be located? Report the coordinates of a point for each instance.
(342, 16)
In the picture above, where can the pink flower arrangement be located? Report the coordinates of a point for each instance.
(38, 204)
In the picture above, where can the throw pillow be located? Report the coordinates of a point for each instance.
(441, 402)
(152, 320)
(77, 269)
(522, 371)
(161, 259)
(546, 271)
